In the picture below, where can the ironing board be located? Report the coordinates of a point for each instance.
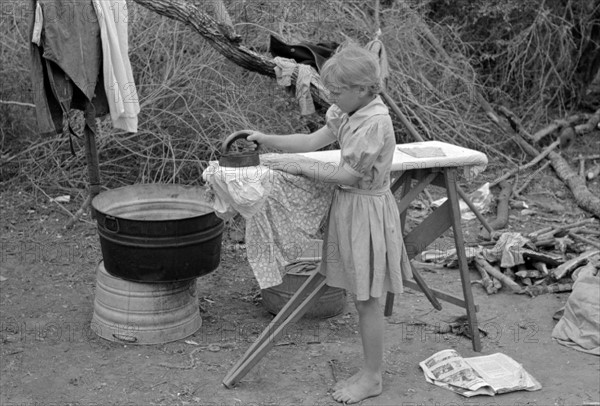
(428, 163)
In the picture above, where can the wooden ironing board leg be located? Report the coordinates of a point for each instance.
(450, 179)
(446, 216)
(295, 308)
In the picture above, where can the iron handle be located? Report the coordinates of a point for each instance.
(236, 136)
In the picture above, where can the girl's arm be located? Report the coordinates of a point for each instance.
(295, 142)
(311, 168)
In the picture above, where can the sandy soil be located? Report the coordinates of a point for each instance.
(49, 354)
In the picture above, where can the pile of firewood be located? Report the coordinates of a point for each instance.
(552, 259)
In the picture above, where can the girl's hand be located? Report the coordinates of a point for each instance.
(258, 137)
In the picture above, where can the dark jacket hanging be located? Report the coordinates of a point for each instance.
(66, 67)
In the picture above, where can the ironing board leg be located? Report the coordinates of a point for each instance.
(389, 299)
(389, 304)
(305, 296)
(404, 182)
(450, 179)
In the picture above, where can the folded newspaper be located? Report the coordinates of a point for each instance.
(486, 375)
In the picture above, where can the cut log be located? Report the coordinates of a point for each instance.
(529, 273)
(505, 280)
(486, 281)
(541, 267)
(563, 270)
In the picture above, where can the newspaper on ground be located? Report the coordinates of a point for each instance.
(486, 375)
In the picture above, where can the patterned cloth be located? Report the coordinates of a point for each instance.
(288, 220)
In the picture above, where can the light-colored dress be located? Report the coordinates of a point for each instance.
(363, 249)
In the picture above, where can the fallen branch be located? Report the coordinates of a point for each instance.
(556, 125)
(553, 232)
(593, 173)
(590, 125)
(534, 291)
(582, 239)
(531, 178)
(533, 162)
(16, 103)
(584, 198)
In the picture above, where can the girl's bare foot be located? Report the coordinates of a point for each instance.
(366, 386)
(350, 381)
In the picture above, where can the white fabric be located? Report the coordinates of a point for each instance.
(118, 77)
(238, 190)
(38, 24)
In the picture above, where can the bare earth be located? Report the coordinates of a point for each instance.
(49, 354)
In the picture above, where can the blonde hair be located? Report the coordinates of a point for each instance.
(353, 66)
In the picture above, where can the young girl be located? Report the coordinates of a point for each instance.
(364, 222)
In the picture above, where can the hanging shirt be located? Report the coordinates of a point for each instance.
(118, 77)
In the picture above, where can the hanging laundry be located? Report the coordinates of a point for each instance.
(305, 53)
(284, 68)
(65, 64)
(118, 77)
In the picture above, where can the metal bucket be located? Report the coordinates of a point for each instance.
(330, 304)
(144, 313)
(158, 232)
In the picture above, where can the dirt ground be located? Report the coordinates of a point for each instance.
(50, 356)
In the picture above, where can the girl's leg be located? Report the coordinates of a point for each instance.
(367, 382)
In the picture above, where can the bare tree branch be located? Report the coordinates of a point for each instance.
(220, 38)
